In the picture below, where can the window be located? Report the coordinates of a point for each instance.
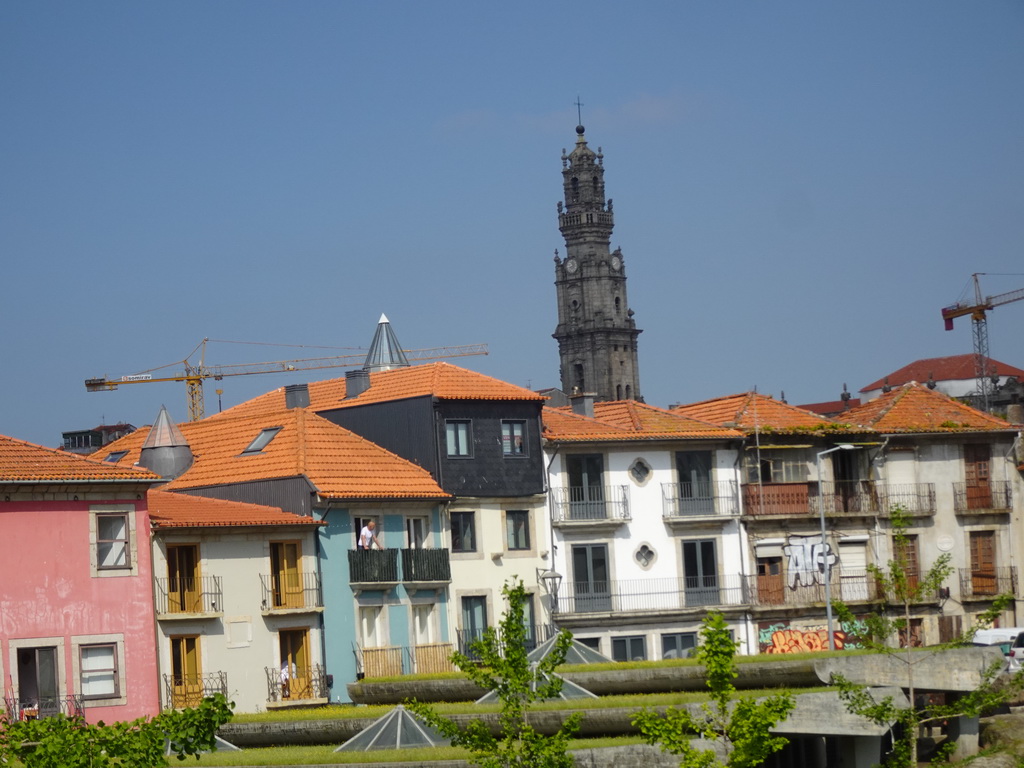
(457, 438)
(98, 671)
(424, 626)
(700, 571)
(517, 529)
(415, 532)
(775, 468)
(116, 456)
(907, 557)
(474, 617)
(463, 531)
(296, 669)
(262, 440)
(632, 648)
(371, 629)
(645, 556)
(678, 645)
(513, 438)
(184, 587)
(186, 672)
(639, 471)
(112, 541)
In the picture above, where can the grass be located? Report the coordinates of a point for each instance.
(326, 755)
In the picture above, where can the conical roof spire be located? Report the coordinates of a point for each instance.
(385, 351)
(164, 433)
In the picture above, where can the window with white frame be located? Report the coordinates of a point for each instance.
(424, 623)
(112, 540)
(458, 438)
(775, 467)
(513, 438)
(372, 631)
(98, 672)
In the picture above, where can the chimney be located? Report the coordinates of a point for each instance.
(582, 403)
(356, 382)
(296, 396)
(1015, 413)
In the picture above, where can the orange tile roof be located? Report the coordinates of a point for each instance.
(23, 462)
(338, 463)
(441, 380)
(915, 408)
(628, 420)
(751, 410)
(178, 510)
(952, 368)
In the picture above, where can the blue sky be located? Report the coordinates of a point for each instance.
(799, 187)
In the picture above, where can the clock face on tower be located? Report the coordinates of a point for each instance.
(571, 266)
(616, 263)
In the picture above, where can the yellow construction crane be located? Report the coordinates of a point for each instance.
(977, 310)
(195, 373)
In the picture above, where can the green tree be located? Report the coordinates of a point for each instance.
(888, 631)
(70, 742)
(499, 663)
(740, 725)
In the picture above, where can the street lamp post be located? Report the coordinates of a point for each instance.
(824, 543)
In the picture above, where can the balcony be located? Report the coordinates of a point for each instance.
(650, 596)
(396, 660)
(590, 508)
(986, 583)
(189, 598)
(772, 591)
(704, 500)
(36, 708)
(426, 567)
(373, 568)
(291, 593)
(845, 498)
(776, 499)
(992, 498)
(182, 691)
(915, 499)
(303, 685)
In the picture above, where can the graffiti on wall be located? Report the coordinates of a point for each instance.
(784, 637)
(807, 559)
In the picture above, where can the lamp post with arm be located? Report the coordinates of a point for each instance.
(824, 543)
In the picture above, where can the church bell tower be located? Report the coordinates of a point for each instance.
(596, 333)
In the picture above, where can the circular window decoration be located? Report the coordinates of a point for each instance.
(640, 471)
(645, 556)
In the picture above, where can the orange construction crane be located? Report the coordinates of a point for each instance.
(195, 373)
(977, 310)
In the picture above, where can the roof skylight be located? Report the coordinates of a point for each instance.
(262, 440)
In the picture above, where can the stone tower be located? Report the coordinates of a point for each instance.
(596, 332)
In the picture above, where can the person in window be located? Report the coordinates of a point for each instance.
(367, 538)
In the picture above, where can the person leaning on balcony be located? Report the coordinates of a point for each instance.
(367, 537)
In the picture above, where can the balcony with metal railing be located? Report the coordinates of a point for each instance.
(373, 568)
(291, 593)
(986, 583)
(189, 598)
(914, 499)
(296, 687)
(395, 660)
(702, 500)
(38, 708)
(993, 497)
(182, 691)
(426, 567)
(592, 507)
(773, 591)
(650, 596)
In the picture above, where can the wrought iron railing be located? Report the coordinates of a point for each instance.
(845, 497)
(807, 588)
(189, 595)
(986, 583)
(592, 503)
(777, 499)
(699, 499)
(536, 634)
(426, 565)
(394, 660)
(913, 498)
(182, 691)
(296, 684)
(373, 565)
(37, 708)
(995, 495)
(291, 590)
(647, 595)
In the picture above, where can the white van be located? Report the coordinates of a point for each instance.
(1010, 640)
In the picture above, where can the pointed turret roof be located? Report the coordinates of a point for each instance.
(164, 433)
(385, 351)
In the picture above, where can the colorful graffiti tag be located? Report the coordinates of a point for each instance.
(781, 637)
(807, 559)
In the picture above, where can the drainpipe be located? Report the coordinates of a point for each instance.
(320, 574)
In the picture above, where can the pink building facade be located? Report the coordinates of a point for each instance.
(76, 602)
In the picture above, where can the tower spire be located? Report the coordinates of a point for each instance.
(596, 333)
